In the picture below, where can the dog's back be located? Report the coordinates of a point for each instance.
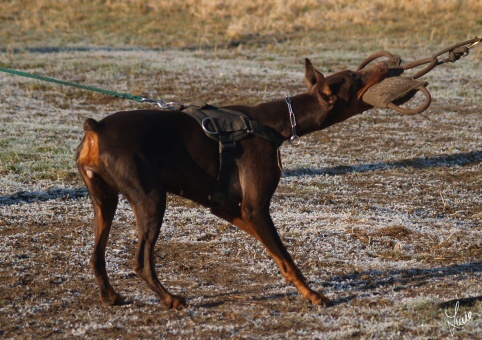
(164, 147)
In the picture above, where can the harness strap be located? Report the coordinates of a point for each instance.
(227, 156)
(227, 127)
(218, 121)
(266, 132)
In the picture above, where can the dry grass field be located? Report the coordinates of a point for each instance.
(382, 212)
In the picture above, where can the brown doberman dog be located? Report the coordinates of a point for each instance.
(146, 153)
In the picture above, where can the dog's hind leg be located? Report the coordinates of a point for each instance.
(104, 199)
(149, 211)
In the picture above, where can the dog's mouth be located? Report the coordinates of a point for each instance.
(375, 74)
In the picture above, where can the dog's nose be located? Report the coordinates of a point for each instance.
(386, 68)
(373, 75)
(382, 68)
(379, 70)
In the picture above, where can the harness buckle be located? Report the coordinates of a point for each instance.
(247, 123)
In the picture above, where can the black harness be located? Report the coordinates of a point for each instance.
(228, 127)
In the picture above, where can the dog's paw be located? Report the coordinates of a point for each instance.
(175, 302)
(320, 299)
(111, 299)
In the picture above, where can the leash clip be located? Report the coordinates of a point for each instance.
(161, 103)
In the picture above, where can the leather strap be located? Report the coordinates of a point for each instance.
(228, 127)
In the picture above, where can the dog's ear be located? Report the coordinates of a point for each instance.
(314, 77)
(310, 77)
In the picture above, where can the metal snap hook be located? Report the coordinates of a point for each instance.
(161, 103)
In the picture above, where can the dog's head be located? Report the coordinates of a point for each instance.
(340, 93)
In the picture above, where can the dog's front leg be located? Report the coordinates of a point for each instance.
(259, 224)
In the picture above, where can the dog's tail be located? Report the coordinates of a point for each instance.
(91, 125)
(87, 154)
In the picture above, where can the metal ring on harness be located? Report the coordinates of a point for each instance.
(203, 124)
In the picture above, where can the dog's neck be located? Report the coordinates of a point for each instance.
(310, 115)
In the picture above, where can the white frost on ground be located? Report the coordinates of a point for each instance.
(382, 212)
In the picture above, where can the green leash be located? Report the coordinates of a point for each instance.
(160, 102)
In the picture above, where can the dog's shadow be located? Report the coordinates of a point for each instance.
(458, 159)
(401, 279)
(43, 196)
(357, 285)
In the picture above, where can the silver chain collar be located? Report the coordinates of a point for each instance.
(295, 139)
